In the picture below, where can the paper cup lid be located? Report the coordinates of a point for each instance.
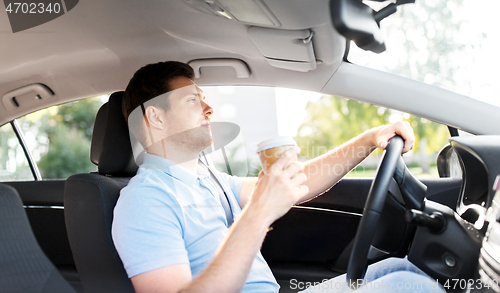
(275, 142)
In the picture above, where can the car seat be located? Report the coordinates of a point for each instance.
(23, 265)
(89, 200)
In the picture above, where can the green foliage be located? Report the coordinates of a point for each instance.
(436, 134)
(68, 153)
(63, 135)
(434, 51)
(331, 121)
(79, 115)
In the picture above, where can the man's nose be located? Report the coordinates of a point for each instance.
(207, 109)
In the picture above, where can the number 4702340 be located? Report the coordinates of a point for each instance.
(462, 284)
(33, 8)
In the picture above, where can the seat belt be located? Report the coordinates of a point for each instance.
(222, 195)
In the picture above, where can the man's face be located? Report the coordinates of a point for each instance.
(187, 121)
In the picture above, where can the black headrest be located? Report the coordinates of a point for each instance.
(110, 149)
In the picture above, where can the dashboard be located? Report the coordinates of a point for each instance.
(453, 251)
(479, 158)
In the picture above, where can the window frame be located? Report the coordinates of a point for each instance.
(20, 137)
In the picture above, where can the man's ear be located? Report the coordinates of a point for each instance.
(155, 117)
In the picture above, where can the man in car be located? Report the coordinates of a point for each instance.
(169, 227)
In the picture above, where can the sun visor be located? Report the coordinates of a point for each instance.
(248, 11)
(287, 49)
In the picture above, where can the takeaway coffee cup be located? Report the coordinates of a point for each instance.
(270, 150)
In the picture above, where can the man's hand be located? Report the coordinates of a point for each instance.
(279, 188)
(382, 134)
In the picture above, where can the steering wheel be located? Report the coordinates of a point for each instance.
(373, 208)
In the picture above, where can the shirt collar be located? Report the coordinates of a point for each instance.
(173, 169)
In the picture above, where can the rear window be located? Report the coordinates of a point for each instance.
(59, 137)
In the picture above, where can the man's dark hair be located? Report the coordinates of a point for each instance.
(151, 81)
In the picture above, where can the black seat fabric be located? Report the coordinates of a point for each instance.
(89, 200)
(23, 265)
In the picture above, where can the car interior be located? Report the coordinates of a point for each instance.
(55, 234)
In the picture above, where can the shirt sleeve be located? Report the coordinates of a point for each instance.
(147, 230)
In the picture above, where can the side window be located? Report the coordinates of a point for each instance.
(59, 137)
(14, 165)
(330, 121)
(317, 122)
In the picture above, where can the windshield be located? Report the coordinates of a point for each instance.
(450, 44)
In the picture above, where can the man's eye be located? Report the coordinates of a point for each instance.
(192, 100)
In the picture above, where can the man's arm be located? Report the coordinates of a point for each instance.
(326, 170)
(274, 194)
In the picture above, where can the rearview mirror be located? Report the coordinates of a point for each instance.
(358, 22)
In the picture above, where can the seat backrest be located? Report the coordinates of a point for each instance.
(23, 265)
(89, 200)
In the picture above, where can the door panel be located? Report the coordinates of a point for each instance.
(44, 206)
(312, 241)
(41, 193)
